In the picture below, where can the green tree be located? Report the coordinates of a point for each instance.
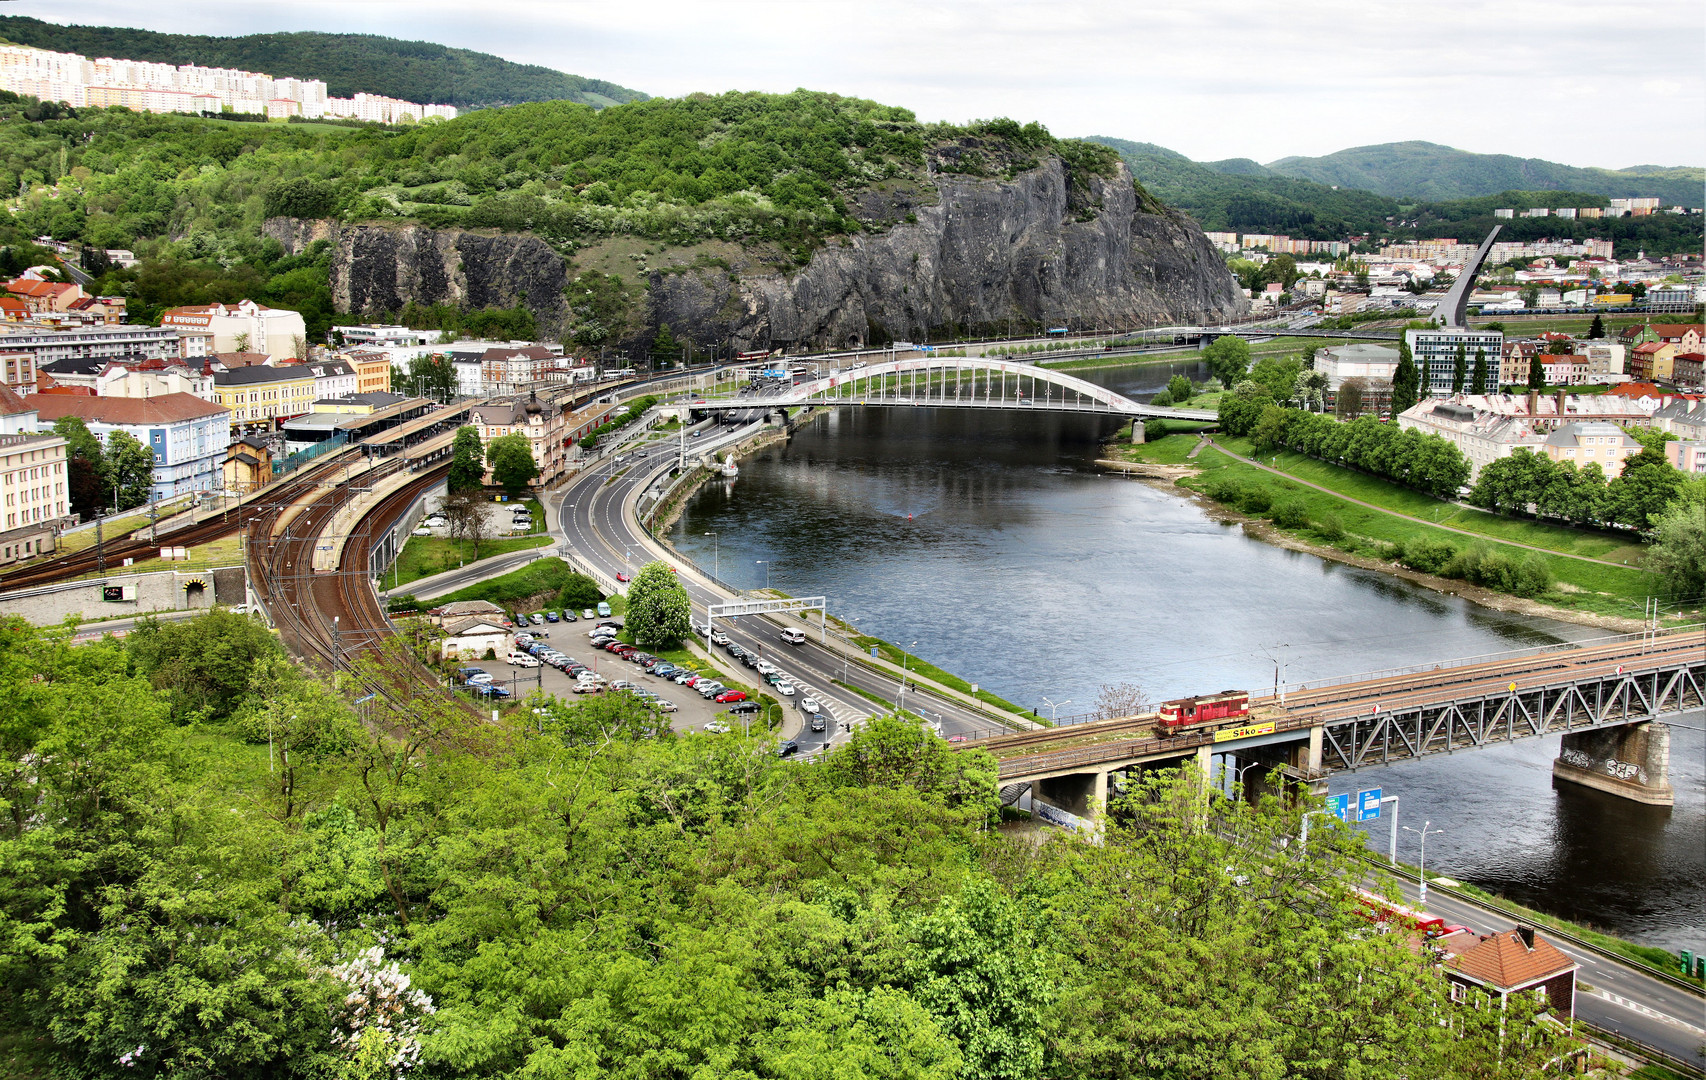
(1536, 373)
(129, 469)
(1597, 329)
(665, 349)
(1181, 389)
(1228, 358)
(1406, 381)
(659, 611)
(1678, 551)
(203, 665)
(1479, 380)
(511, 459)
(85, 468)
(1460, 368)
(1644, 490)
(579, 592)
(467, 461)
(1278, 375)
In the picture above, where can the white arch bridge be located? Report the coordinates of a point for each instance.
(957, 383)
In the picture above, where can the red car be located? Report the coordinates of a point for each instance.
(623, 577)
(730, 695)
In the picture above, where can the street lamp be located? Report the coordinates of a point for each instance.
(716, 554)
(1422, 865)
(766, 565)
(1054, 708)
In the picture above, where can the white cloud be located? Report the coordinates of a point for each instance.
(1210, 78)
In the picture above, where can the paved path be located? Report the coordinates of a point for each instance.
(1407, 517)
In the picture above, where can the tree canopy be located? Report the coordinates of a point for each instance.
(511, 460)
(659, 611)
(467, 461)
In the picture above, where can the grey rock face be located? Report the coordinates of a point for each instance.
(1032, 249)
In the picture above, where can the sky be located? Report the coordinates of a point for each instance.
(1611, 83)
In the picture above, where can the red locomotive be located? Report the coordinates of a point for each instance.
(1203, 711)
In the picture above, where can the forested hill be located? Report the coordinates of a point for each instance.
(1238, 195)
(1424, 170)
(349, 63)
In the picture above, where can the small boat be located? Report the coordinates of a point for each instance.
(728, 468)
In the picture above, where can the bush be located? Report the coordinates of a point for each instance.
(1224, 489)
(1162, 400)
(1256, 501)
(580, 592)
(1154, 429)
(1331, 527)
(1428, 556)
(1518, 575)
(1291, 514)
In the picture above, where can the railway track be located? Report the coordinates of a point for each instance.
(132, 546)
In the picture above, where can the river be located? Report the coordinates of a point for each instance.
(990, 545)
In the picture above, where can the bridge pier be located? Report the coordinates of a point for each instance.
(1083, 794)
(1632, 762)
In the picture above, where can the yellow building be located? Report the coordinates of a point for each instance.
(1592, 443)
(263, 397)
(372, 372)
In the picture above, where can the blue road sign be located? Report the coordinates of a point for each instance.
(1339, 806)
(1368, 804)
(874, 650)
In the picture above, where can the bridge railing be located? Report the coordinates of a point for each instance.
(1483, 658)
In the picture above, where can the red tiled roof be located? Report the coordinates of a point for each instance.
(1677, 329)
(1636, 390)
(164, 409)
(11, 404)
(26, 287)
(1650, 346)
(1502, 960)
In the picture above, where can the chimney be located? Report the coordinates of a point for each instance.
(1561, 396)
(1527, 935)
(1533, 404)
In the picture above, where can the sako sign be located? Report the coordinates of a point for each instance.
(1245, 732)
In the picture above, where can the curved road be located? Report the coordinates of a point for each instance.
(593, 511)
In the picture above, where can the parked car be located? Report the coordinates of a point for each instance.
(552, 616)
(716, 727)
(788, 749)
(603, 609)
(588, 613)
(537, 618)
(587, 686)
(621, 684)
(488, 690)
(709, 690)
(521, 659)
(744, 707)
(665, 705)
(569, 616)
(731, 695)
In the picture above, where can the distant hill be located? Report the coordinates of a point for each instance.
(1239, 195)
(349, 63)
(1423, 170)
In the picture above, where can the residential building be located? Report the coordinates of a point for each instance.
(1683, 417)
(376, 334)
(372, 372)
(1605, 360)
(1341, 362)
(1511, 962)
(259, 396)
(1688, 369)
(98, 342)
(542, 423)
(45, 297)
(447, 614)
(248, 464)
(245, 326)
(1547, 411)
(1690, 457)
(334, 378)
(1651, 361)
(34, 496)
(188, 435)
(1435, 353)
(153, 378)
(1481, 436)
(19, 371)
(1605, 445)
(103, 309)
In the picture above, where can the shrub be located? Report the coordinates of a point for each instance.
(1291, 514)
(1331, 527)
(1153, 429)
(1256, 501)
(1224, 489)
(1428, 556)
(1162, 400)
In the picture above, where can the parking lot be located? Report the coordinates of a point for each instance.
(693, 712)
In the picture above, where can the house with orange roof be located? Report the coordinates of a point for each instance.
(13, 310)
(45, 297)
(1651, 361)
(1511, 962)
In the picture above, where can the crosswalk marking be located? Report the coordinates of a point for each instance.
(1617, 999)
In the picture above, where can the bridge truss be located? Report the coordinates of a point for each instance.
(1580, 704)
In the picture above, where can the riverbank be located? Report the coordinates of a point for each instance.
(1286, 513)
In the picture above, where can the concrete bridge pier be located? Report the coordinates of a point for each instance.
(1083, 794)
(1632, 761)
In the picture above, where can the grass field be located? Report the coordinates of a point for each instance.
(1369, 532)
(1576, 325)
(424, 556)
(894, 654)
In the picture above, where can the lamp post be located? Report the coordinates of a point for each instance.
(906, 670)
(716, 555)
(764, 563)
(1054, 708)
(1422, 858)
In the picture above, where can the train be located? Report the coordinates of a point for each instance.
(1203, 712)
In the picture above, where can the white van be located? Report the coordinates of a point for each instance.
(793, 636)
(521, 659)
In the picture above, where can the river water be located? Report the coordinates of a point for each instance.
(990, 545)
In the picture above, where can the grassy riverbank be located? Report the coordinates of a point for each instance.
(1330, 521)
(1280, 346)
(894, 654)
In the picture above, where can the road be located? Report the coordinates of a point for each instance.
(1657, 1014)
(600, 532)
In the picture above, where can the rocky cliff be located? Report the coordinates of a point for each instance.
(1043, 247)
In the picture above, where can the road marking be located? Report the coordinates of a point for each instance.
(1617, 999)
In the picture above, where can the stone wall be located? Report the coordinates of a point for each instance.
(169, 590)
